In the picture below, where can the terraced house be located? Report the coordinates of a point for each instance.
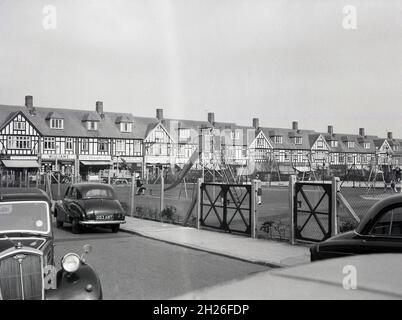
(81, 142)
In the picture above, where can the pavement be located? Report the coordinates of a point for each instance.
(260, 251)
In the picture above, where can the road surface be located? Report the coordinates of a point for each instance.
(133, 267)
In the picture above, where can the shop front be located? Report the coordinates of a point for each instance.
(18, 171)
(153, 165)
(91, 165)
(63, 163)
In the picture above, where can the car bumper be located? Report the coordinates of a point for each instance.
(99, 223)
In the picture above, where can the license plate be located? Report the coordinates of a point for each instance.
(104, 217)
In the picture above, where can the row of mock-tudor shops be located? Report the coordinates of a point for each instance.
(83, 142)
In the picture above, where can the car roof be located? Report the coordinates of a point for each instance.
(377, 207)
(23, 194)
(91, 185)
(378, 277)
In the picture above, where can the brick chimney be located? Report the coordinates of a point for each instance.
(361, 132)
(295, 125)
(99, 107)
(29, 102)
(211, 117)
(256, 123)
(330, 129)
(159, 114)
(389, 135)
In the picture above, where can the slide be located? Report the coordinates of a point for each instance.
(185, 169)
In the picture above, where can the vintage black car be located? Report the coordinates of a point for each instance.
(380, 231)
(27, 266)
(89, 205)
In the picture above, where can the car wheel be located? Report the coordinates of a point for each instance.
(75, 226)
(115, 228)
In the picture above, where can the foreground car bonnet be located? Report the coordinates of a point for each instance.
(378, 277)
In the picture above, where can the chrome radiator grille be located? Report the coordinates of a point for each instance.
(21, 277)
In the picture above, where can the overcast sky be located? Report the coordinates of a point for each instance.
(276, 60)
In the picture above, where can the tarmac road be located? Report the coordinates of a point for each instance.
(133, 267)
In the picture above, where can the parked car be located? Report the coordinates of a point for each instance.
(89, 205)
(380, 231)
(365, 277)
(27, 268)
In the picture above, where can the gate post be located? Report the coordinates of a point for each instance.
(253, 222)
(199, 184)
(334, 213)
(292, 182)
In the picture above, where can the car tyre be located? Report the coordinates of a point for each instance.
(115, 228)
(75, 226)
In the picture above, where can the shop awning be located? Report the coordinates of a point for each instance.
(96, 163)
(21, 163)
(304, 169)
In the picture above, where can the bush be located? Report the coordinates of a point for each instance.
(347, 225)
(169, 212)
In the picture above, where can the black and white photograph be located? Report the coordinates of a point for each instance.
(200, 153)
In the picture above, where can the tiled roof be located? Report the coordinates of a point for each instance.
(73, 122)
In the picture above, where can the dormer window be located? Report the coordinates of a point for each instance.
(334, 143)
(395, 147)
(56, 124)
(126, 127)
(92, 125)
(278, 139)
(351, 144)
(366, 145)
(235, 135)
(184, 133)
(298, 140)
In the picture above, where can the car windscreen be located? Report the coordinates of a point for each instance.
(24, 216)
(97, 193)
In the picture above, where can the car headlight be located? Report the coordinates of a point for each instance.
(70, 262)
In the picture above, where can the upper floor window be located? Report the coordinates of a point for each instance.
(396, 147)
(367, 145)
(18, 142)
(19, 125)
(351, 144)
(84, 145)
(49, 144)
(334, 143)
(126, 127)
(120, 146)
(298, 140)
(320, 144)
(56, 123)
(103, 145)
(92, 125)
(278, 139)
(69, 143)
(159, 135)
